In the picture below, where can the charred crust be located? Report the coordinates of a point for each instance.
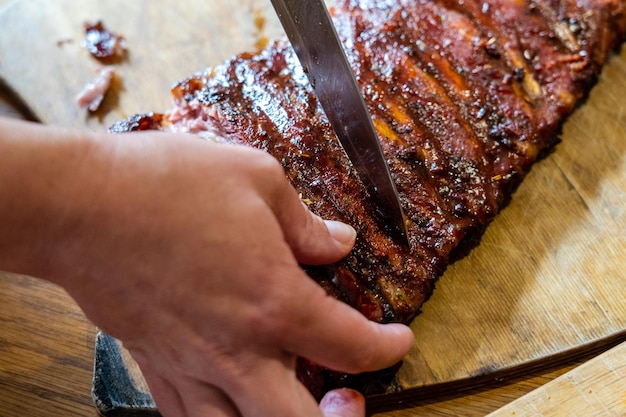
(138, 122)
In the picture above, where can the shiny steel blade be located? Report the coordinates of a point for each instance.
(313, 36)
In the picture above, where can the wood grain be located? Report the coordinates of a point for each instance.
(597, 388)
(547, 280)
(46, 351)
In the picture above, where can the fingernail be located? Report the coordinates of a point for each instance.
(341, 232)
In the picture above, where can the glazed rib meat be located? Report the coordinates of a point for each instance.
(465, 96)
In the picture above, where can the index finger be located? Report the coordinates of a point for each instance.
(333, 334)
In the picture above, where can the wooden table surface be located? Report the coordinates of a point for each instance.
(46, 359)
(46, 353)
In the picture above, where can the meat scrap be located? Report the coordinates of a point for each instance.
(465, 95)
(102, 43)
(93, 93)
(109, 48)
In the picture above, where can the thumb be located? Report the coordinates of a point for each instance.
(313, 241)
(343, 403)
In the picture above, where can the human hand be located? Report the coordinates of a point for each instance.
(189, 253)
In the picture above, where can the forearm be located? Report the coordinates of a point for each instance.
(189, 252)
(42, 177)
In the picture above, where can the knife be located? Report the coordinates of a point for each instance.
(313, 36)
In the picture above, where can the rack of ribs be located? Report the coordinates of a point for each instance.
(464, 94)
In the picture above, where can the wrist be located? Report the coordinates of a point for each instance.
(44, 177)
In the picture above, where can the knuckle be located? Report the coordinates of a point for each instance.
(267, 165)
(270, 320)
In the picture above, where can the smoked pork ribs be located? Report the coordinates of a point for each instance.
(465, 95)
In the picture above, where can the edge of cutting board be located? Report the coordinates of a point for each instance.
(595, 388)
(119, 389)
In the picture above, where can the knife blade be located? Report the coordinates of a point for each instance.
(314, 39)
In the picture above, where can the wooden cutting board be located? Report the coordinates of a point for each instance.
(43, 61)
(547, 282)
(596, 388)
